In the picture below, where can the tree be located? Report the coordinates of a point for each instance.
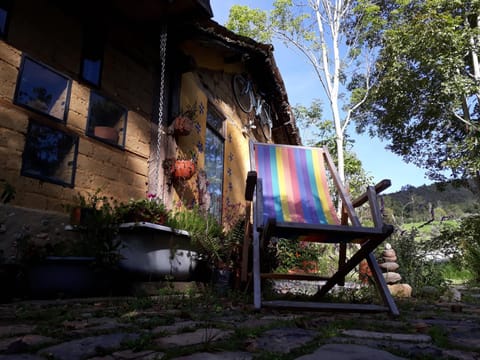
(318, 30)
(308, 119)
(425, 92)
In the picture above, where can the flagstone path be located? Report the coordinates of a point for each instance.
(162, 328)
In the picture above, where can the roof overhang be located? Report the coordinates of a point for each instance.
(151, 10)
(259, 60)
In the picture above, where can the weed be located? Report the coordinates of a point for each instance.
(143, 342)
(455, 273)
(141, 303)
(439, 336)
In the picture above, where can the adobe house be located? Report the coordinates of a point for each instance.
(88, 96)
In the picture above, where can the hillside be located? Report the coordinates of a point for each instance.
(415, 204)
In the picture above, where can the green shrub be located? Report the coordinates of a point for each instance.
(462, 241)
(415, 267)
(469, 234)
(292, 254)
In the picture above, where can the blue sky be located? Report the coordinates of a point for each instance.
(303, 86)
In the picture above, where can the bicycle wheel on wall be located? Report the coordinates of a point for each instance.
(242, 89)
(265, 115)
(266, 119)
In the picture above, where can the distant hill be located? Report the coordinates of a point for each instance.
(443, 200)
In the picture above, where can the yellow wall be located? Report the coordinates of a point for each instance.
(210, 83)
(128, 80)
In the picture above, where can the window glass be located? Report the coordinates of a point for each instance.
(42, 89)
(91, 70)
(5, 6)
(107, 120)
(3, 21)
(214, 153)
(92, 54)
(215, 120)
(50, 155)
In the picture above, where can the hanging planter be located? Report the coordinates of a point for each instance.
(184, 122)
(182, 125)
(183, 169)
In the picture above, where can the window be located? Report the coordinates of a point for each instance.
(5, 6)
(50, 155)
(92, 54)
(214, 153)
(42, 89)
(107, 120)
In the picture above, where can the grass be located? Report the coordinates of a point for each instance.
(425, 232)
(212, 309)
(454, 274)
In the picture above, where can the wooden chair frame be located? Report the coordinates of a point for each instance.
(349, 230)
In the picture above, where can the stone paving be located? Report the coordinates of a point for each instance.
(177, 327)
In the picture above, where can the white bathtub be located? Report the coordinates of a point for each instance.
(157, 250)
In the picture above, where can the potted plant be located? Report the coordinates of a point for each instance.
(204, 230)
(85, 265)
(151, 210)
(107, 133)
(215, 247)
(83, 207)
(153, 246)
(183, 167)
(183, 123)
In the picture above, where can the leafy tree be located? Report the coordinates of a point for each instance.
(425, 84)
(462, 240)
(318, 30)
(323, 134)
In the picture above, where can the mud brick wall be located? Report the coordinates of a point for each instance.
(46, 34)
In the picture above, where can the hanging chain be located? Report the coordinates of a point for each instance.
(163, 58)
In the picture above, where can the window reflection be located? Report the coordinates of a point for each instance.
(106, 120)
(49, 154)
(92, 53)
(5, 6)
(214, 153)
(91, 70)
(42, 89)
(3, 21)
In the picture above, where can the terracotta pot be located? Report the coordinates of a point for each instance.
(182, 126)
(80, 216)
(310, 267)
(107, 133)
(184, 169)
(364, 272)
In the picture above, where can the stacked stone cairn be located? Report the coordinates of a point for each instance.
(389, 267)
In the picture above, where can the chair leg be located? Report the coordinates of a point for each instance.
(361, 254)
(382, 285)
(245, 251)
(342, 258)
(365, 252)
(257, 291)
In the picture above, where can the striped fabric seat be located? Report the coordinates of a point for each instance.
(295, 187)
(290, 196)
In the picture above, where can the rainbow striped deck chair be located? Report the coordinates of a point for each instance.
(291, 199)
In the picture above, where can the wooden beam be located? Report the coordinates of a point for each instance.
(379, 187)
(285, 276)
(346, 202)
(316, 306)
(250, 185)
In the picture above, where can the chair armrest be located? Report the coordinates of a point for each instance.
(379, 187)
(250, 186)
